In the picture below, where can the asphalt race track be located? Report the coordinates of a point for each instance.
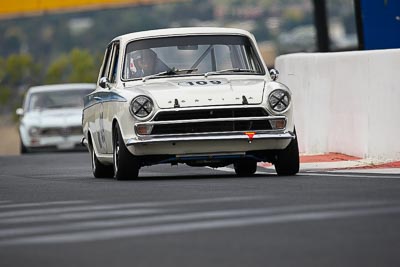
(54, 213)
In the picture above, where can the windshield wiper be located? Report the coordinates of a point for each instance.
(170, 72)
(228, 70)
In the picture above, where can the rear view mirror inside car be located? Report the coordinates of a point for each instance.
(188, 47)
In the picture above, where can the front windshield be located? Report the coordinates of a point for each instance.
(197, 55)
(57, 99)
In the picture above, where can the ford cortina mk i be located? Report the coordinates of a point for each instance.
(199, 96)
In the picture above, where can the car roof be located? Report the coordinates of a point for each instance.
(61, 87)
(183, 31)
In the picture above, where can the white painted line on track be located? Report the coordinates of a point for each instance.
(162, 218)
(328, 173)
(81, 215)
(360, 175)
(33, 212)
(343, 166)
(332, 164)
(201, 201)
(196, 226)
(373, 171)
(41, 204)
(126, 205)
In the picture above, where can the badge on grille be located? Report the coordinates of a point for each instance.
(65, 131)
(250, 135)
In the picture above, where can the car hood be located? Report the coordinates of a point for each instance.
(204, 91)
(53, 118)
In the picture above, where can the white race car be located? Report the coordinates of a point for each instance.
(51, 117)
(199, 96)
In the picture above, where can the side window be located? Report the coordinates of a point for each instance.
(114, 63)
(106, 63)
(252, 61)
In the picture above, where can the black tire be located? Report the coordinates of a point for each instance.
(287, 162)
(22, 148)
(100, 170)
(126, 166)
(245, 167)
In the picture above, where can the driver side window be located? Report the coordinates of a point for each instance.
(114, 64)
(106, 63)
(110, 63)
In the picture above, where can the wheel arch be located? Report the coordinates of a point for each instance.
(91, 144)
(89, 137)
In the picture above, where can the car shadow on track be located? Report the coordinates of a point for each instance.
(149, 178)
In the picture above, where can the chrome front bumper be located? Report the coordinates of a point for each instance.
(209, 144)
(214, 137)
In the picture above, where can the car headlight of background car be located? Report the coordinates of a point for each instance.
(279, 100)
(141, 107)
(34, 131)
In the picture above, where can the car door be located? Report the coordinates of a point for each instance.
(99, 97)
(110, 92)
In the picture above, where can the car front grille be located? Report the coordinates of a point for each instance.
(208, 123)
(64, 131)
(210, 114)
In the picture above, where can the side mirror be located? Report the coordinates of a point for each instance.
(103, 82)
(19, 111)
(274, 74)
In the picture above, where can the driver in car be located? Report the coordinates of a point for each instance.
(145, 62)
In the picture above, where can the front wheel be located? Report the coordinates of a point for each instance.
(245, 167)
(287, 162)
(125, 164)
(22, 148)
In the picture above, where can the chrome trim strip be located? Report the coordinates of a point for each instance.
(102, 97)
(215, 137)
(213, 107)
(211, 120)
(146, 137)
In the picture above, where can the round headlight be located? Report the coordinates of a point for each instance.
(34, 131)
(279, 100)
(141, 106)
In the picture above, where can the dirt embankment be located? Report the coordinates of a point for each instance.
(9, 140)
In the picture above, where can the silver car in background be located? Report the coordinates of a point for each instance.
(51, 117)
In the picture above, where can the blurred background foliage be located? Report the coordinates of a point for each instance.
(68, 47)
(20, 71)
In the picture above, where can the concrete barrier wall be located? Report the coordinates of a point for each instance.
(347, 102)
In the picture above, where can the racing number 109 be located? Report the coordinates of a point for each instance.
(214, 82)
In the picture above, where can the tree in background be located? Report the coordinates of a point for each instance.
(16, 71)
(83, 67)
(75, 67)
(58, 70)
(20, 69)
